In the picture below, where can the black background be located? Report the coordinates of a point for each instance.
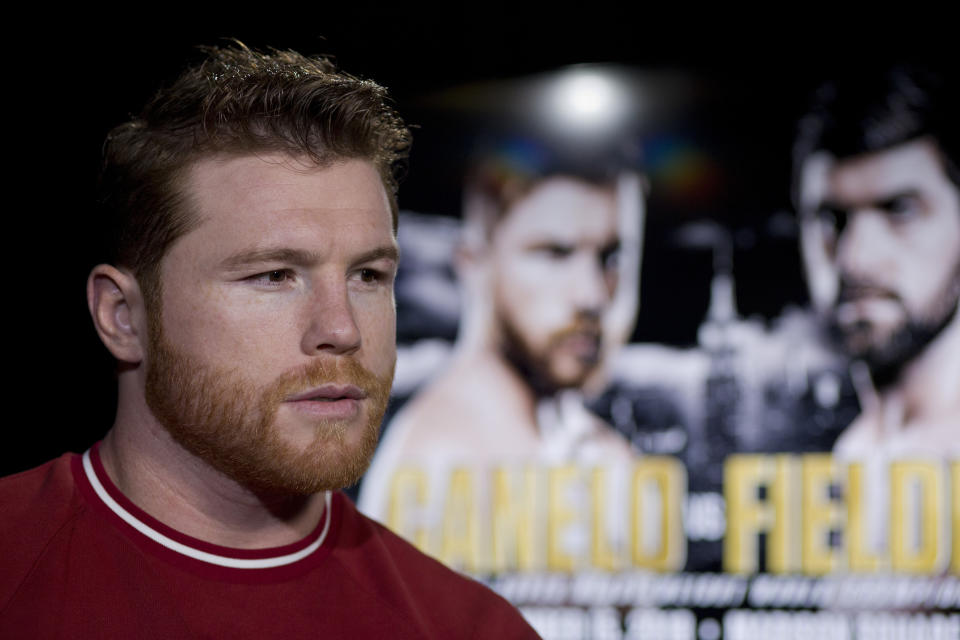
(71, 77)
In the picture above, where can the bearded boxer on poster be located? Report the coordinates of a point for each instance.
(878, 191)
(250, 309)
(548, 266)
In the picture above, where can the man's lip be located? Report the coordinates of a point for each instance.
(870, 310)
(854, 293)
(329, 392)
(583, 343)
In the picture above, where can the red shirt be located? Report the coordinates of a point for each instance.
(79, 560)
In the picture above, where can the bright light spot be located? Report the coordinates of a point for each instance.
(589, 96)
(587, 99)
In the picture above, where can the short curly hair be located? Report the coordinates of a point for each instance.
(872, 110)
(236, 101)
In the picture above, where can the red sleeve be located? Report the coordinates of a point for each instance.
(37, 505)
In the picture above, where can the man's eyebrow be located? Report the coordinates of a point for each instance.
(388, 252)
(882, 200)
(296, 257)
(300, 257)
(890, 199)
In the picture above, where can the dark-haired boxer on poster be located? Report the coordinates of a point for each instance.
(250, 309)
(878, 190)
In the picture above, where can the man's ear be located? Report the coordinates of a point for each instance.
(116, 306)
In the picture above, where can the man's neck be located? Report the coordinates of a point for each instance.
(185, 493)
(928, 386)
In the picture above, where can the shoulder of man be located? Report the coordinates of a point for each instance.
(37, 505)
(420, 587)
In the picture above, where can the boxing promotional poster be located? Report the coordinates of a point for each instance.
(638, 406)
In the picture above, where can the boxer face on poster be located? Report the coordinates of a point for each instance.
(881, 244)
(553, 274)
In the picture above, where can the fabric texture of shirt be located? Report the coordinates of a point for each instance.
(79, 560)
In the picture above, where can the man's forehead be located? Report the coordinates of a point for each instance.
(254, 203)
(913, 165)
(249, 173)
(234, 186)
(564, 207)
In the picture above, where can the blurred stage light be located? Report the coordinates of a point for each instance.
(586, 101)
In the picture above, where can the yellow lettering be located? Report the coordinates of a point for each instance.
(602, 555)
(408, 495)
(515, 518)
(955, 501)
(917, 517)
(657, 540)
(821, 515)
(859, 557)
(461, 530)
(782, 555)
(562, 485)
(747, 514)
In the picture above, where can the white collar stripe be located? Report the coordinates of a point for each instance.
(196, 554)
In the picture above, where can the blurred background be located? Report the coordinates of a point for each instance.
(720, 96)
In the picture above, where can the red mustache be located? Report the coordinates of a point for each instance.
(340, 373)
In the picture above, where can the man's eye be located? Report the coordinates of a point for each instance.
(555, 251)
(903, 208)
(610, 258)
(370, 276)
(277, 276)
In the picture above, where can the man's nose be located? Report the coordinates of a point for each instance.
(864, 244)
(331, 325)
(588, 284)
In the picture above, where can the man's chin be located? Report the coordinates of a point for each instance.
(313, 471)
(570, 375)
(866, 345)
(887, 352)
(285, 457)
